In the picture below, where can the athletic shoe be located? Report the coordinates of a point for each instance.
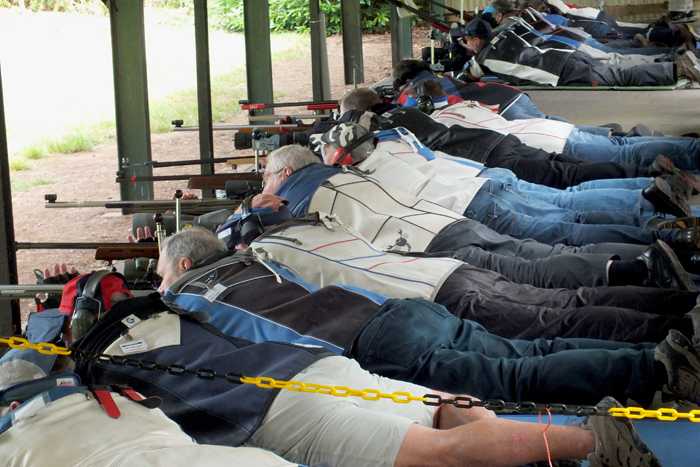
(640, 130)
(682, 362)
(687, 67)
(680, 185)
(663, 165)
(617, 443)
(615, 127)
(665, 200)
(681, 16)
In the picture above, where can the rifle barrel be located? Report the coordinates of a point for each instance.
(28, 291)
(70, 246)
(246, 127)
(216, 160)
(188, 206)
(245, 105)
(436, 22)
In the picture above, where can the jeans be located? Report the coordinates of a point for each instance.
(423, 343)
(641, 150)
(509, 212)
(611, 195)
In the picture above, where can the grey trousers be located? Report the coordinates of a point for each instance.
(528, 261)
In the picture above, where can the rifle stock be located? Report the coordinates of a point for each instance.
(108, 253)
(218, 181)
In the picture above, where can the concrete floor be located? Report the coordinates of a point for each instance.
(671, 112)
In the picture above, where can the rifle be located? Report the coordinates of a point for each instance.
(434, 22)
(218, 181)
(134, 250)
(29, 291)
(188, 206)
(13, 292)
(281, 128)
(103, 251)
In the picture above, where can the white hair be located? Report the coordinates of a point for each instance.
(194, 243)
(293, 156)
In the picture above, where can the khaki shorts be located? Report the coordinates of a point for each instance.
(343, 431)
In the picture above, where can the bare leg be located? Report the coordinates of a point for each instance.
(492, 442)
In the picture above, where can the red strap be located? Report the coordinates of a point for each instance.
(130, 394)
(104, 397)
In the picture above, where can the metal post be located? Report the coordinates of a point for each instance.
(206, 132)
(401, 39)
(352, 42)
(258, 57)
(320, 76)
(9, 311)
(131, 94)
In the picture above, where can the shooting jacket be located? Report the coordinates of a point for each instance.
(212, 412)
(391, 219)
(401, 161)
(531, 26)
(475, 144)
(512, 58)
(325, 251)
(549, 135)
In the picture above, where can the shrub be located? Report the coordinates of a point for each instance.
(293, 15)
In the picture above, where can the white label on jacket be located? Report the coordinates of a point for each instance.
(131, 321)
(132, 347)
(214, 292)
(29, 409)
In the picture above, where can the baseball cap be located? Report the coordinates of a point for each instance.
(109, 285)
(477, 28)
(343, 135)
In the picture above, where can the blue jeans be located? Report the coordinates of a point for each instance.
(640, 150)
(503, 209)
(630, 51)
(611, 195)
(423, 343)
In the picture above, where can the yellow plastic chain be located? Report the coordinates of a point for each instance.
(665, 414)
(44, 347)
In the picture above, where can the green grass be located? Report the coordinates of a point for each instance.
(18, 186)
(19, 163)
(44, 181)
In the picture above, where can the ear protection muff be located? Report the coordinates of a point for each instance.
(249, 226)
(88, 309)
(343, 156)
(424, 102)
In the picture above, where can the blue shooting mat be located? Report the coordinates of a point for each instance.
(676, 444)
